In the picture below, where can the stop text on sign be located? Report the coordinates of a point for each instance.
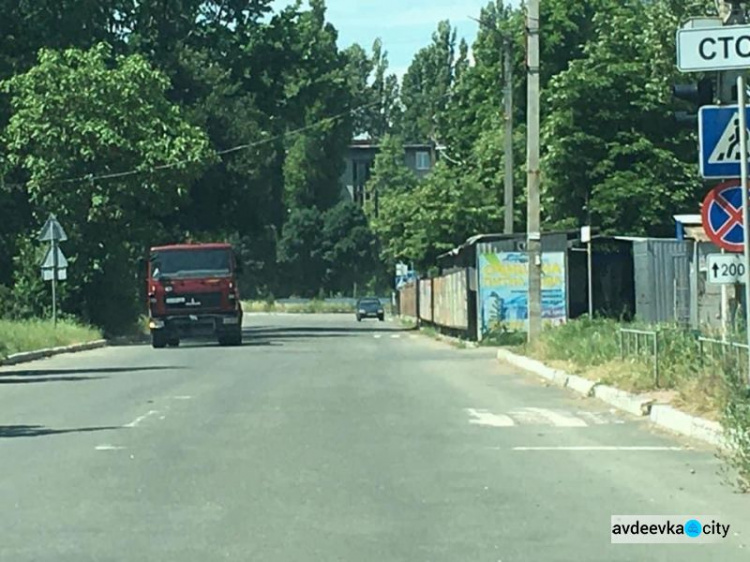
(713, 48)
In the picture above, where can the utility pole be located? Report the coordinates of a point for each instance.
(508, 95)
(533, 220)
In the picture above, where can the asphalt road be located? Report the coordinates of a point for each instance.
(323, 439)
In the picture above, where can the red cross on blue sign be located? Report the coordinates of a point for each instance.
(722, 216)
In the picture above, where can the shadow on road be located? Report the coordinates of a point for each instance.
(8, 431)
(322, 331)
(28, 380)
(74, 372)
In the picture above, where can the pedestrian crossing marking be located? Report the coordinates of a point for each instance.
(559, 419)
(540, 417)
(483, 417)
(727, 149)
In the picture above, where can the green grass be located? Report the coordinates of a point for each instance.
(592, 348)
(31, 335)
(310, 307)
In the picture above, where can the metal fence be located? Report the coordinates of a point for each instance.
(731, 355)
(643, 344)
(650, 345)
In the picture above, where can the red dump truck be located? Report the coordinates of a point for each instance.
(192, 292)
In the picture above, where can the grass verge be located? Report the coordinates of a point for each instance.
(309, 307)
(17, 336)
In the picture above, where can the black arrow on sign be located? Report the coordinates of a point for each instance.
(716, 270)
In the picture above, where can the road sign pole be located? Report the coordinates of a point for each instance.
(741, 98)
(724, 307)
(54, 283)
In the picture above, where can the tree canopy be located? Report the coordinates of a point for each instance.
(138, 124)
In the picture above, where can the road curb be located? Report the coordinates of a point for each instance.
(581, 385)
(661, 415)
(691, 426)
(631, 403)
(28, 356)
(556, 376)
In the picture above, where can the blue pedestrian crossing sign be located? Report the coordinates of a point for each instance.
(719, 138)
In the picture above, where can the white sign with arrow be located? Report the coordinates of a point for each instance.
(55, 265)
(726, 269)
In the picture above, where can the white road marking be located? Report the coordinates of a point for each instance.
(377, 336)
(182, 397)
(597, 418)
(395, 336)
(413, 337)
(559, 419)
(139, 419)
(483, 417)
(602, 448)
(108, 448)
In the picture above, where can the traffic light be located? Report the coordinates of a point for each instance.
(697, 95)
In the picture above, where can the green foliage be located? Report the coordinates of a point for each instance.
(30, 335)
(613, 151)
(328, 251)
(301, 252)
(78, 113)
(426, 85)
(736, 422)
(441, 212)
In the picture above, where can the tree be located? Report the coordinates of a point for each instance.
(389, 170)
(301, 250)
(614, 155)
(349, 248)
(86, 114)
(443, 211)
(426, 86)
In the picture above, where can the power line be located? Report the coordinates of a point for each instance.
(238, 148)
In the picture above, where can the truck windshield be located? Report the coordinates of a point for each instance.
(190, 263)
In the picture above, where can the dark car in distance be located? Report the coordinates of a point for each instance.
(370, 307)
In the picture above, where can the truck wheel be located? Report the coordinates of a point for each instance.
(381, 318)
(158, 339)
(174, 342)
(231, 338)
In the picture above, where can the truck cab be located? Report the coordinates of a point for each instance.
(192, 292)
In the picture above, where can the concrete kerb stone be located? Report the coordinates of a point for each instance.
(631, 403)
(691, 426)
(582, 385)
(661, 415)
(27, 356)
(555, 376)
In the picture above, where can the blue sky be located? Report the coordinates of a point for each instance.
(405, 26)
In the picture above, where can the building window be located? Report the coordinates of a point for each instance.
(423, 160)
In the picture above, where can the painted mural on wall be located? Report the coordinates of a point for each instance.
(503, 290)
